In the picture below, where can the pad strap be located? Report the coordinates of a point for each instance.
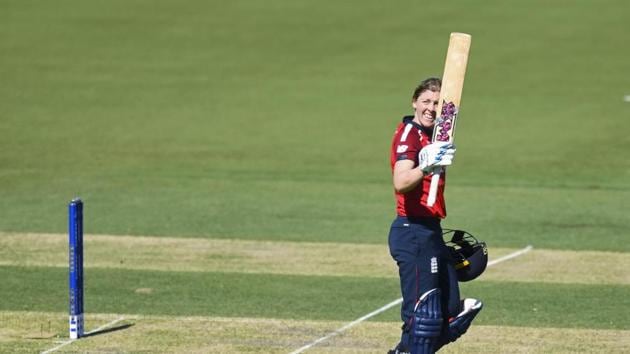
(460, 324)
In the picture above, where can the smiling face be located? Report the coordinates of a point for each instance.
(425, 107)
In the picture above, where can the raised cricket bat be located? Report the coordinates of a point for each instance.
(450, 97)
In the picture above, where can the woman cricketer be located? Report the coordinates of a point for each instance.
(432, 312)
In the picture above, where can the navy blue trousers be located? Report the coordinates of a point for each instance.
(424, 263)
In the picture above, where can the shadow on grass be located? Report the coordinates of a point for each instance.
(108, 330)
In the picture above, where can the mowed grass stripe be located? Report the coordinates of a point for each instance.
(303, 297)
(37, 331)
(300, 258)
(201, 255)
(551, 305)
(197, 293)
(545, 304)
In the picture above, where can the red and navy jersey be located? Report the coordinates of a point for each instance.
(408, 140)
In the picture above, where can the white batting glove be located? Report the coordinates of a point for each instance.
(436, 155)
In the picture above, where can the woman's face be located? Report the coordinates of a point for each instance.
(425, 107)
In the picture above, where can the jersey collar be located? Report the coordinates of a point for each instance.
(425, 130)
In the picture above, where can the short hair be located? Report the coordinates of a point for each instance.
(431, 84)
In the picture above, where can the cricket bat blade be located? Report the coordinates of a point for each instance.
(450, 97)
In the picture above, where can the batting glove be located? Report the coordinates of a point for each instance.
(435, 156)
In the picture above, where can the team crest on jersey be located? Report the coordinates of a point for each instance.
(401, 148)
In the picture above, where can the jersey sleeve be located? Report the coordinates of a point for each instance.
(406, 144)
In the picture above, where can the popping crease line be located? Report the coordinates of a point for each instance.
(396, 302)
(63, 344)
(351, 324)
(511, 255)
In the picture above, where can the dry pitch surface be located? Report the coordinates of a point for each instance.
(163, 334)
(37, 331)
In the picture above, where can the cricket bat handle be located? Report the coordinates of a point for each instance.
(435, 180)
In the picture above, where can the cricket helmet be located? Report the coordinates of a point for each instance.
(469, 254)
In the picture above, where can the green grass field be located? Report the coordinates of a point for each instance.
(233, 161)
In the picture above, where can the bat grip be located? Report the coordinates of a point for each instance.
(435, 179)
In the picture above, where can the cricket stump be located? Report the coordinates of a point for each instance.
(75, 281)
